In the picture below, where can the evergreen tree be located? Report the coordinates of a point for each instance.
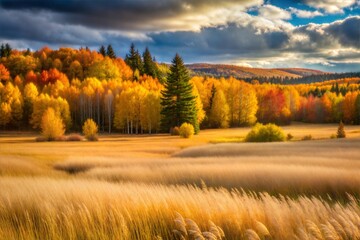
(28, 52)
(5, 50)
(8, 50)
(110, 52)
(133, 60)
(150, 67)
(102, 51)
(337, 90)
(213, 91)
(178, 101)
(341, 132)
(357, 107)
(2, 50)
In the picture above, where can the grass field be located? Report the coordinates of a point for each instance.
(165, 187)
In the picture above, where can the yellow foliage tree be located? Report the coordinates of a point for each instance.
(219, 112)
(150, 112)
(90, 130)
(186, 130)
(52, 125)
(5, 113)
(44, 101)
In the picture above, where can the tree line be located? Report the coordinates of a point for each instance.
(80, 84)
(305, 79)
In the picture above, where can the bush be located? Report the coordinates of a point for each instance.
(332, 136)
(90, 130)
(40, 139)
(52, 126)
(307, 137)
(289, 136)
(341, 132)
(61, 138)
(265, 133)
(186, 130)
(74, 138)
(175, 131)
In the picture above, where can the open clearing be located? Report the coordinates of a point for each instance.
(133, 187)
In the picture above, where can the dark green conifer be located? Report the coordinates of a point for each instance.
(178, 101)
(133, 60)
(2, 50)
(341, 132)
(102, 51)
(150, 67)
(110, 52)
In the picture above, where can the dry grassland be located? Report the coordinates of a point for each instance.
(135, 187)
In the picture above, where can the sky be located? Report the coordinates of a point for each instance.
(319, 34)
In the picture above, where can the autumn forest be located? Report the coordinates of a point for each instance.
(124, 96)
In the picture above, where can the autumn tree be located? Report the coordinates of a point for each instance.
(109, 103)
(30, 94)
(52, 125)
(357, 109)
(104, 70)
(349, 107)
(76, 70)
(242, 101)
(43, 102)
(272, 107)
(21, 65)
(4, 74)
(150, 112)
(90, 130)
(178, 101)
(17, 104)
(5, 113)
(128, 108)
(219, 112)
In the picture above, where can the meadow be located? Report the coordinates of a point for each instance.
(166, 187)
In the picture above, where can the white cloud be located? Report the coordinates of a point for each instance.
(273, 13)
(305, 14)
(330, 6)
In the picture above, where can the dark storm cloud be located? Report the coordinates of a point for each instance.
(24, 25)
(222, 33)
(125, 14)
(230, 39)
(347, 32)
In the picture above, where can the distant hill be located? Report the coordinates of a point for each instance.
(222, 70)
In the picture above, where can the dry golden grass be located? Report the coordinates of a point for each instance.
(133, 187)
(44, 208)
(278, 168)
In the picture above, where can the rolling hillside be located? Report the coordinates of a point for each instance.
(222, 70)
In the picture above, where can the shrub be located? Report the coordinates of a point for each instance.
(90, 130)
(265, 133)
(175, 131)
(332, 136)
(40, 139)
(186, 130)
(341, 132)
(74, 137)
(289, 136)
(307, 137)
(52, 126)
(61, 138)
